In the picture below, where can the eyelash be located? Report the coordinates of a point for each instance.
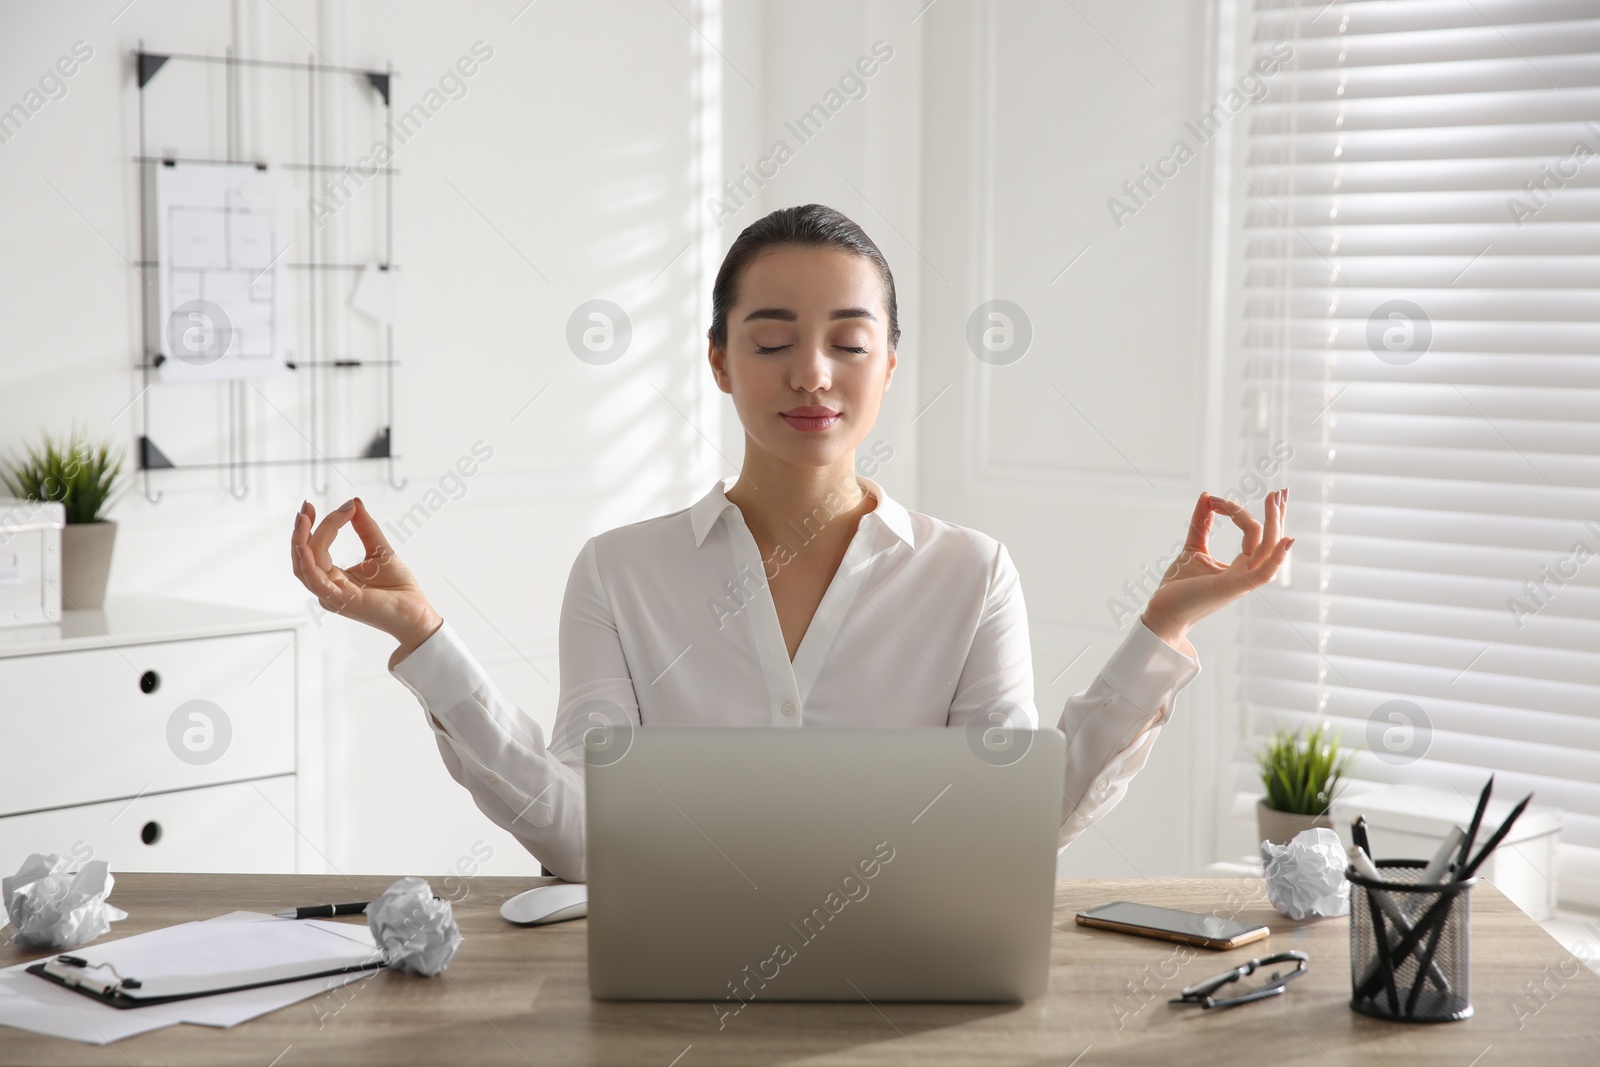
(762, 351)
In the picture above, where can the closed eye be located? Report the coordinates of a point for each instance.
(762, 350)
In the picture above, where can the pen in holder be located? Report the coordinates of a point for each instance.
(1409, 945)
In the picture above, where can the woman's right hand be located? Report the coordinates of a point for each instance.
(379, 591)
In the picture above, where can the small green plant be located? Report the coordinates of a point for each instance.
(71, 471)
(1301, 772)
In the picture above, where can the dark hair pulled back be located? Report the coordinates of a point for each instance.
(808, 225)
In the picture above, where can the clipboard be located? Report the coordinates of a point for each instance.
(203, 959)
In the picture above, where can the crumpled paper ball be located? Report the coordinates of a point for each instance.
(415, 931)
(1306, 876)
(56, 910)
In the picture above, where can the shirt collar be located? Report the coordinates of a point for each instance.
(705, 512)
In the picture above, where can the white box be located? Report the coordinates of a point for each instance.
(30, 562)
(1408, 822)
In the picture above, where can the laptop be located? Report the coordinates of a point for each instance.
(901, 864)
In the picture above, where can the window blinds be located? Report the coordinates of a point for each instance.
(1418, 255)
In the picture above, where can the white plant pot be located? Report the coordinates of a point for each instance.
(86, 563)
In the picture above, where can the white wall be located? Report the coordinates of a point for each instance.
(578, 165)
(1086, 455)
(1065, 107)
(865, 161)
(565, 159)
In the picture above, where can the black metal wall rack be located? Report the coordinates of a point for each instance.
(317, 364)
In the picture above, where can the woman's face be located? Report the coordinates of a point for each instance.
(808, 359)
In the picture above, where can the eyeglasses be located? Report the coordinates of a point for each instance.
(1201, 992)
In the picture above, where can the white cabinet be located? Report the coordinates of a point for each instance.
(159, 716)
(245, 827)
(160, 735)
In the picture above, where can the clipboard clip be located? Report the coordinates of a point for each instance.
(79, 961)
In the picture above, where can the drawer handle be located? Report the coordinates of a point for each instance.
(151, 833)
(149, 682)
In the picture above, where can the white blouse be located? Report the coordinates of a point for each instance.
(670, 621)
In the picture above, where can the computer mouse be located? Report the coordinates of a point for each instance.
(542, 904)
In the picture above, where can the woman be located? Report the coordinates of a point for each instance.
(796, 593)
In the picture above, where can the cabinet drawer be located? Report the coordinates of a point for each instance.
(96, 724)
(243, 827)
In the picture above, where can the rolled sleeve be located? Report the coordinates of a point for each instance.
(441, 671)
(497, 751)
(492, 747)
(1111, 726)
(1146, 671)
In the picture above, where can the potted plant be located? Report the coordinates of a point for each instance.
(81, 477)
(1300, 774)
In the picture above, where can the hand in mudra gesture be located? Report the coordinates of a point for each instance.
(1196, 583)
(379, 590)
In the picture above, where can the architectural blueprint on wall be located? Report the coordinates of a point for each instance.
(223, 238)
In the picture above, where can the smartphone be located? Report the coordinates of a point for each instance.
(1166, 924)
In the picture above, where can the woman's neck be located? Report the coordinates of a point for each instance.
(779, 499)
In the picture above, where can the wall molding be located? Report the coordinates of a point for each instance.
(982, 470)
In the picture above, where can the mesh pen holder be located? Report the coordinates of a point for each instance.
(1409, 945)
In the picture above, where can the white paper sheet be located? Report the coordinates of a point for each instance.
(29, 1002)
(222, 242)
(379, 293)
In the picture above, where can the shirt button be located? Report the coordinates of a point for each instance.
(787, 709)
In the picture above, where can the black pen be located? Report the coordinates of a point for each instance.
(1358, 834)
(323, 911)
(326, 911)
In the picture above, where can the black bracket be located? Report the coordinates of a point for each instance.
(379, 448)
(152, 458)
(149, 63)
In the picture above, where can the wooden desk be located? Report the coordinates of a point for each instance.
(520, 996)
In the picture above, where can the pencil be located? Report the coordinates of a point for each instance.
(1496, 837)
(1477, 821)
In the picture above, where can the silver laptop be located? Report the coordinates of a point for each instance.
(741, 864)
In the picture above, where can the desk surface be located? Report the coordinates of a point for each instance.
(520, 996)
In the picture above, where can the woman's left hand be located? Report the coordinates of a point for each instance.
(1196, 584)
